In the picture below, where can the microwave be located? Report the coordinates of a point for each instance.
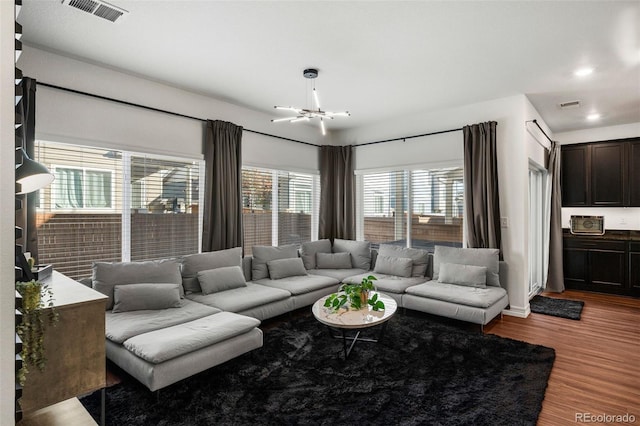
(587, 225)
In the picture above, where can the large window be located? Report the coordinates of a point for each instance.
(414, 208)
(107, 205)
(279, 207)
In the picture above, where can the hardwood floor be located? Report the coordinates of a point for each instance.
(597, 366)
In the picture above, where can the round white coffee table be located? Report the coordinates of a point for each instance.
(343, 320)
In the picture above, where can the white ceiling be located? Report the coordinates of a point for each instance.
(377, 59)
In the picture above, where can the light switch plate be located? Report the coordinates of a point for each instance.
(504, 222)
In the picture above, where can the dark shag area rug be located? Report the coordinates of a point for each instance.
(563, 308)
(423, 372)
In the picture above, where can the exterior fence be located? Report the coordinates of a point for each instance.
(71, 242)
(426, 231)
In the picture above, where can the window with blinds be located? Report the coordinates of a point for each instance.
(279, 207)
(109, 206)
(164, 208)
(384, 207)
(416, 208)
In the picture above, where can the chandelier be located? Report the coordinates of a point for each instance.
(304, 114)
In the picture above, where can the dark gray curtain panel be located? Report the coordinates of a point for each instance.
(482, 200)
(222, 227)
(337, 193)
(27, 220)
(555, 276)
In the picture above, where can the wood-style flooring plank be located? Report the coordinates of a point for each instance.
(597, 366)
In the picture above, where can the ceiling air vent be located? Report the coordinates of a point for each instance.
(570, 104)
(100, 9)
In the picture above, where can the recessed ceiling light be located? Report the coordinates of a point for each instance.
(583, 72)
(592, 117)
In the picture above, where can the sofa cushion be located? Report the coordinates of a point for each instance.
(242, 298)
(171, 342)
(123, 325)
(221, 279)
(138, 297)
(333, 260)
(300, 285)
(468, 256)
(398, 266)
(387, 283)
(360, 252)
(452, 293)
(194, 263)
(106, 275)
(419, 257)
(468, 275)
(263, 254)
(283, 268)
(309, 249)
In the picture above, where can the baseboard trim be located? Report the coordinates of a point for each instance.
(515, 311)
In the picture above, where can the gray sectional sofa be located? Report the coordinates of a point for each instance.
(169, 319)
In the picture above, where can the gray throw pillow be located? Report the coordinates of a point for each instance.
(467, 275)
(309, 250)
(398, 266)
(360, 252)
(333, 260)
(142, 297)
(283, 268)
(107, 275)
(221, 279)
(194, 263)
(469, 256)
(263, 254)
(419, 257)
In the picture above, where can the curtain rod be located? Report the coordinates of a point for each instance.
(409, 137)
(534, 121)
(177, 114)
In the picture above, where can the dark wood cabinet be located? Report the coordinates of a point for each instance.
(575, 175)
(576, 260)
(603, 265)
(634, 173)
(601, 174)
(608, 174)
(634, 268)
(595, 265)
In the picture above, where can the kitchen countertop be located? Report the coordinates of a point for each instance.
(613, 234)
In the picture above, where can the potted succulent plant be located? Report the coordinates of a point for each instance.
(358, 296)
(36, 297)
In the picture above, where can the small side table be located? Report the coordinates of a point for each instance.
(343, 320)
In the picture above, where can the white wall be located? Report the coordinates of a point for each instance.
(512, 167)
(614, 217)
(7, 212)
(537, 143)
(445, 149)
(599, 134)
(67, 117)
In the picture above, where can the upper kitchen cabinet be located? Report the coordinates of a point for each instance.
(575, 175)
(601, 174)
(634, 172)
(608, 174)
